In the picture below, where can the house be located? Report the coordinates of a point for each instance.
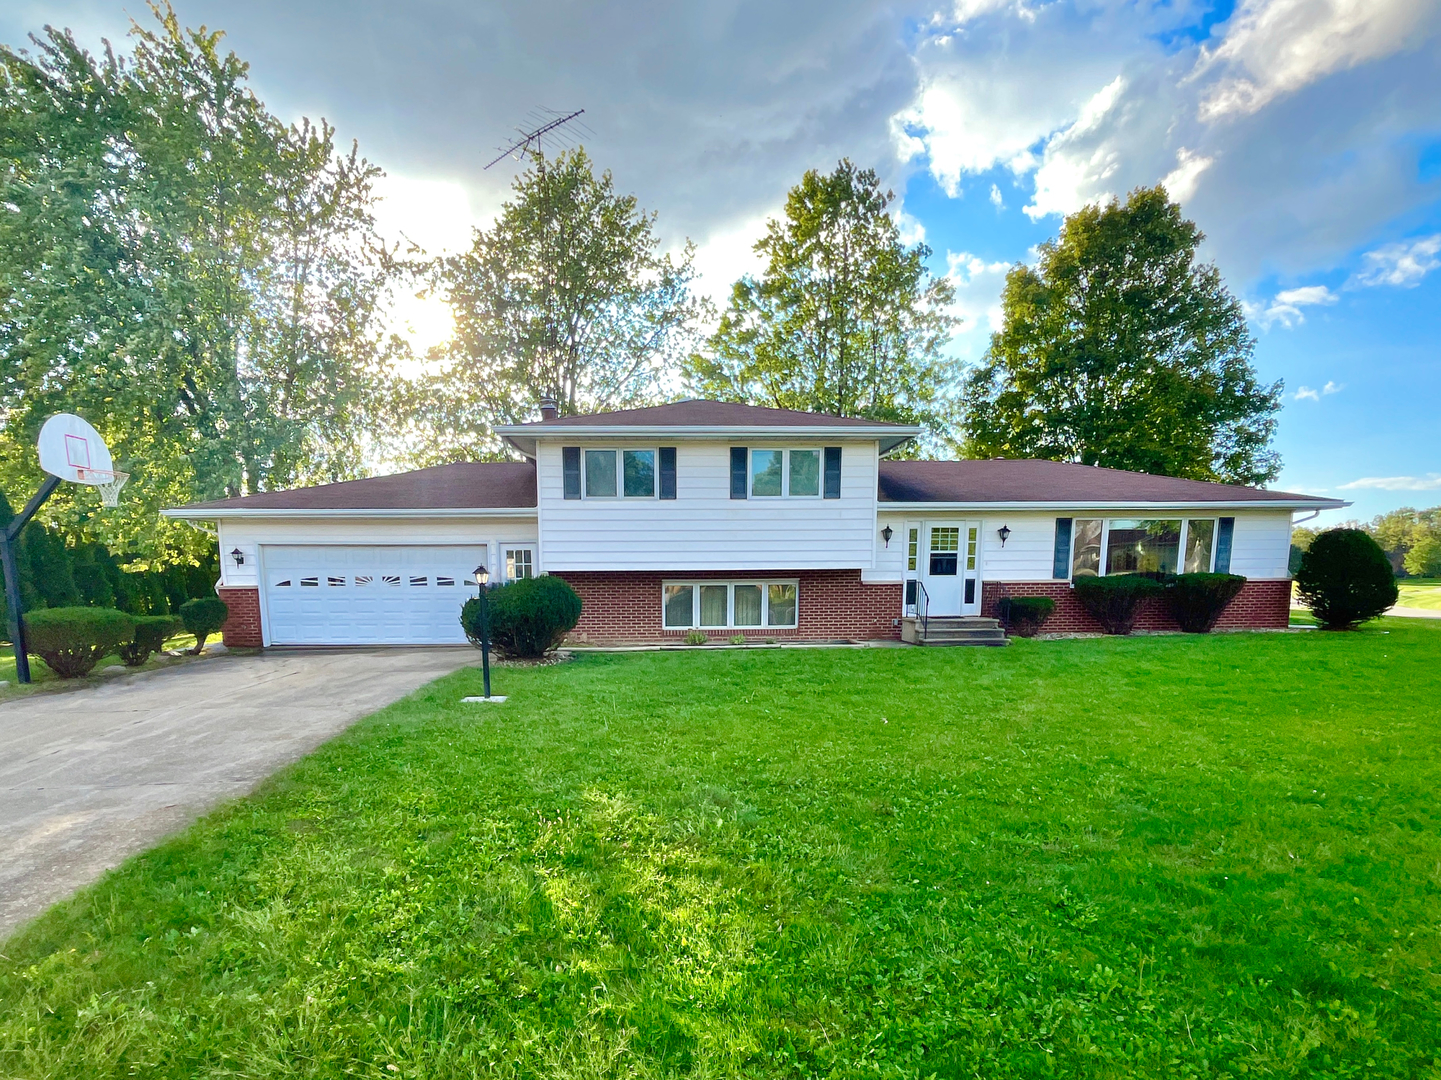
(731, 519)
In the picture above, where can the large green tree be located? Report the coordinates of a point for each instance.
(1120, 349)
(566, 296)
(844, 319)
(199, 280)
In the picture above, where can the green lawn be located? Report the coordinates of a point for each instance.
(40, 673)
(1160, 856)
(1420, 594)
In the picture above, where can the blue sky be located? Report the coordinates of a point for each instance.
(1303, 136)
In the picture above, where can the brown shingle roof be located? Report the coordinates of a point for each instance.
(698, 412)
(1014, 480)
(466, 485)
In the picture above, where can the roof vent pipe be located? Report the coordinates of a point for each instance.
(548, 409)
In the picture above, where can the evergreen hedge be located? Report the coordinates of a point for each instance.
(528, 618)
(1197, 600)
(1115, 601)
(1023, 615)
(72, 640)
(150, 634)
(1345, 578)
(203, 616)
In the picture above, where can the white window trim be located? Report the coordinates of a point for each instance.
(731, 583)
(785, 450)
(1106, 542)
(506, 549)
(619, 452)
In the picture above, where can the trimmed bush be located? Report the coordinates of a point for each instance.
(1197, 600)
(697, 637)
(150, 634)
(203, 616)
(1115, 601)
(72, 640)
(1023, 615)
(1345, 579)
(528, 617)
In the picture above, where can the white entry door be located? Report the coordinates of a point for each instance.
(367, 595)
(950, 567)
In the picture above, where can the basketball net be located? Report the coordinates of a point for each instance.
(108, 483)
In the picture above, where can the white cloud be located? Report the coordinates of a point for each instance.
(1305, 393)
(1181, 181)
(996, 199)
(1403, 264)
(1429, 482)
(1275, 47)
(978, 285)
(1076, 168)
(1286, 310)
(1332, 387)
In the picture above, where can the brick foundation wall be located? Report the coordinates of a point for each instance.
(1260, 605)
(242, 628)
(832, 605)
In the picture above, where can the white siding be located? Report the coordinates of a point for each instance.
(703, 528)
(1029, 551)
(1262, 545)
(248, 534)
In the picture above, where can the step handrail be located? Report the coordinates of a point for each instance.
(925, 609)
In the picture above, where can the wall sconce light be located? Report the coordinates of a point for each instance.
(886, 535)
(1004, 532)
(238, 556)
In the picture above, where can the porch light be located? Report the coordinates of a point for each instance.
(886, 535)
(1004, 533)
(238, 556)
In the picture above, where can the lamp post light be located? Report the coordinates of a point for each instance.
(482, 579)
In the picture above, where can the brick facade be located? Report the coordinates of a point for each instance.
(242, 628)
(832, 605)
(1260, 605)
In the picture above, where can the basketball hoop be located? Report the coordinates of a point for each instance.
(107, 481)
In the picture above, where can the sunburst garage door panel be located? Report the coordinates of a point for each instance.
(355, 595)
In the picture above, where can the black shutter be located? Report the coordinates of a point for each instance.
(570, 469)
(833, 472)
(740, 461)
(667, 472)
(1223, 545)
(1061, 564)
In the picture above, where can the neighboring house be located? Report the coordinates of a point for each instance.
(732, 519)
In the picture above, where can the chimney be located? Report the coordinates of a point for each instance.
(548, 409)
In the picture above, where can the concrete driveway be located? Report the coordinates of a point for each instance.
(91, 777)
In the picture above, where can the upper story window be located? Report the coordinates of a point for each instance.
(763, 473)
(611, 474)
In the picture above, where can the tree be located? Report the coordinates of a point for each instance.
(199, 280)
(566, 296)
(1120, 349)
(845, 319)
(1401, 532)
(1424, 558)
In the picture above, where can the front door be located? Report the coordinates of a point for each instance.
(950, 567)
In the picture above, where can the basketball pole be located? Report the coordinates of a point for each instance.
(8, 539)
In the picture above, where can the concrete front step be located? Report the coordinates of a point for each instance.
(953, 630)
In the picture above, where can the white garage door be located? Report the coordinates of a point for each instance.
(353, 595)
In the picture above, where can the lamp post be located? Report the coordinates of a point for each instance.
(482, 579)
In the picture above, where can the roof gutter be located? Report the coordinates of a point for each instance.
(185, 513)
(524, 436)
(1252, 504)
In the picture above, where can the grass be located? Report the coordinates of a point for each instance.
(1420, 593)
(41, 677)
(1163, 856)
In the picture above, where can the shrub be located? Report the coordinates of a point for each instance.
(1197, 600)
(72, 640)
(203, 616)
(528, 617)
(1023, 615)
(696, 637)
(150, 634)
(1115, 601)
(738, 639)
(1345, 579)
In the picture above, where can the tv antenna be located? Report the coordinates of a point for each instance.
(542, 124)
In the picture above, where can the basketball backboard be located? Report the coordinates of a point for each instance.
(73, 450)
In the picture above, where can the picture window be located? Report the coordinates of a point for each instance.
(729, 604)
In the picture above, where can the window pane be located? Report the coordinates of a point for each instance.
(640, 473)
(913, 546)
(945, 549)
(971, 539)
(946, 539)
(678, 605)
(765, 472)
(782, 605)
(713, 605)
(1200, 539)
(518, 564)
(805, 472)
(600, 473)
(1086, 560)
(748, 605)
(1143, 546)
